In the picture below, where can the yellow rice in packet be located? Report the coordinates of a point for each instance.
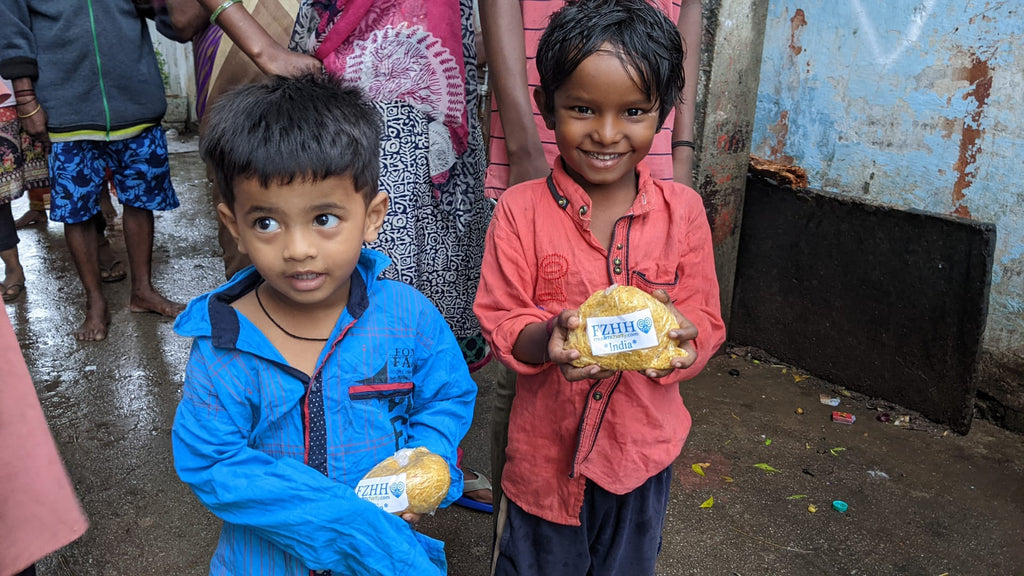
(624, 328)
(413, 480)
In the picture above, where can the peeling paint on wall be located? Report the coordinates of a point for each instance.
(917, 104)
(797, 23)
(979, 77)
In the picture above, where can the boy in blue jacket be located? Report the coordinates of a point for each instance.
(307, 369)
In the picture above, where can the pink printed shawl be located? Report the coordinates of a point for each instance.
(398, 50)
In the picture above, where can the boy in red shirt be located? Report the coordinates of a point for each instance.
(590, 451)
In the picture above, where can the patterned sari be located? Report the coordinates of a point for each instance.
(416, 59)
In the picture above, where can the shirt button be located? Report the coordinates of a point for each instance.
(617, 261)
(598, 395)
(562, 202)
(618, 246)
(618, 270)
(583, 210)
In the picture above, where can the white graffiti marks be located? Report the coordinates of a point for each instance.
(885, 58)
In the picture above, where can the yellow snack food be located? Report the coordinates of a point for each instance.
(629, 302)
(413, 480)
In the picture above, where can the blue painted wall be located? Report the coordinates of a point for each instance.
(911, 103)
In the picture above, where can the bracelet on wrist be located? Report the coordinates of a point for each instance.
(32, 113)
(23, 102)
(27, 92)
(227, 4)
(682, 143)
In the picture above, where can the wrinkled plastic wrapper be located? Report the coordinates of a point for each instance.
(413, 475)
(618, 301)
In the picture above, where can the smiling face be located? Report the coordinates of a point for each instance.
(304, 237)
(603, 122)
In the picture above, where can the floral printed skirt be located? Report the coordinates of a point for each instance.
(22, 158)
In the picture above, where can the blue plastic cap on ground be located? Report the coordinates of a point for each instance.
(839, 506)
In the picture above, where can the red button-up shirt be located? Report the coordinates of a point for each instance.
(541, 258)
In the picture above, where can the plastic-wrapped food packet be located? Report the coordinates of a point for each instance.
(413, 480)
(624, 328)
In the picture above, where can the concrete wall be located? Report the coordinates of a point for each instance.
(179, 79)
(917, 104)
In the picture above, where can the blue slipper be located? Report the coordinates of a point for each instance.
(480, 483)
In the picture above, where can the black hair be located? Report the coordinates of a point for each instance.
(648, 40)
(310, 127)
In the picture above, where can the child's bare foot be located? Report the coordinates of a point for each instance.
(152, 301)
(94, 328)
(31, 218)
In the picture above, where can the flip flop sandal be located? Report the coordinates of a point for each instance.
(480, 483)
(9, 296)
(111, 269)
(113, 273)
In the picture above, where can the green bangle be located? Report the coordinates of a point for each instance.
(227, 4)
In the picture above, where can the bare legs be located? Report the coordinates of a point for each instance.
(82, 239)
(13, 285)
(138, 238)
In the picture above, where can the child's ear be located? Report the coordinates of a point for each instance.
(541, 99)
(375, 213)
(227, 216)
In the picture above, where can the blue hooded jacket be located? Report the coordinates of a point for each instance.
(392, 376)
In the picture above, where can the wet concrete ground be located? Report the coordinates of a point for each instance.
(922, 501)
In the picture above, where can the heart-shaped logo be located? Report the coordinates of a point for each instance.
(645, 325)
(397, 488)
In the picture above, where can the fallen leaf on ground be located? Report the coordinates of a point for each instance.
(699, 467)
(765, 467)
(708, 503)
(835, 451)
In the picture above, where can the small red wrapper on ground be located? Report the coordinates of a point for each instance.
(843, 417)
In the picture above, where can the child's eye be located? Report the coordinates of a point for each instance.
(634, 112)
(581, 109)
(265, 224)
(326, 220)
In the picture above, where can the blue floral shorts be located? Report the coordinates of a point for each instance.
(142, 175)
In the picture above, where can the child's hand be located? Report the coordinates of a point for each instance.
(565, 321)
(684, 337)
(412, 518)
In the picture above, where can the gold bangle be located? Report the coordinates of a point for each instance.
(227, 4)
(32, 113)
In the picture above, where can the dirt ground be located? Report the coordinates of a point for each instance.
(921, 500)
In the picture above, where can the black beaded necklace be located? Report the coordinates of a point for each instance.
(279, 327)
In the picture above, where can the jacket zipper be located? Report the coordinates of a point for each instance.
(99, 67)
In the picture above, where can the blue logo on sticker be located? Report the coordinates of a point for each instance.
(645, 325)
(397, 488)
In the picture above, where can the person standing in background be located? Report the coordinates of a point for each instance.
(98, 99)
(22, 165)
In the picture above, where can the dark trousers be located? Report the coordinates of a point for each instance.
(619, 535)
(8, 233)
